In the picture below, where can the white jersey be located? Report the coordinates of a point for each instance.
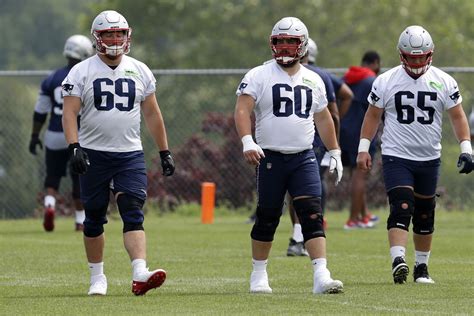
(111, 98)
(284, 106)
(413, 111)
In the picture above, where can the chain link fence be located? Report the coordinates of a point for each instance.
(198, 109)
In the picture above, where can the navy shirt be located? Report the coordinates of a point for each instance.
(51, 87)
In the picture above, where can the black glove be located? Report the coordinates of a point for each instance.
(34, 141)
(79, 160)
(465, 163)
(167, 163)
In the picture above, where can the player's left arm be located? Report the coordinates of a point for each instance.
(461, 131)
(154, 121)
(327, 132)
(156, 125)
(459, 123)
(326, 129)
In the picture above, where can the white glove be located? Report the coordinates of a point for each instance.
(249, 144)
(336, 164)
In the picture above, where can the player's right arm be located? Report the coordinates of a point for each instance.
(344, 96)
(71, 108)
(367, 133)
(242, 116)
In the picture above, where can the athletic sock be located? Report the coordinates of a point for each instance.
(80, 216)
(297, 234)
(96, 268)
(319, 264)
(422, 257)
(49, 201)
(138, 267)
(259, 265)
(397, 251)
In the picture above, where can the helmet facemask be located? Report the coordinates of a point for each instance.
(416, 69)
(287, 53)
(113, 47)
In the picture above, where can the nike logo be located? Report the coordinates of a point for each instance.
(312, 159)
(75, 149)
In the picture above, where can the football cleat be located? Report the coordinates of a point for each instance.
(98, 285)
(399, 270)
(421, 275)
(296, 249)
(148, 280)
(48, 220)
(323, 284)
(259, 283)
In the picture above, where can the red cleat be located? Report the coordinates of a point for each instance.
(48, 222)
(153, 280)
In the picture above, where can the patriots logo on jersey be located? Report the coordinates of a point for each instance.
(242, 86)
(374, 97)
(455, 96)
(68, 87)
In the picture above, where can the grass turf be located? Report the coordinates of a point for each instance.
(208, 268)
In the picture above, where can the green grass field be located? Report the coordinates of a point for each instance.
(209, 267)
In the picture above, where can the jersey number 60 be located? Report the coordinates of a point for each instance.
(288, 110)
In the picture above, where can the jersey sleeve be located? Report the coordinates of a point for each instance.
(320, 100)
(149, 80)
(43, 102)
(72, 85)
(453, 96)
(248, 85)
(375, 96)
(330, 94)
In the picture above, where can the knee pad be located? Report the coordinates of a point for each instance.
(94, 222)
(423, 216)
(401, 208)
(130, 208)
(266, 223)
(52, 182)
(310, 214)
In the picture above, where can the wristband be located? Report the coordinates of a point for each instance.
(364, 145)
(247, 140)
(466, 147)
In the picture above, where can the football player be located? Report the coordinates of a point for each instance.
(50, 100)
(287, 99)
(412, 97)
(110, 90)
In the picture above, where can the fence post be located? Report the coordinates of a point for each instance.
(208, 197)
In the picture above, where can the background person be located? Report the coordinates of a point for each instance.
(50, 101)
(359, 79)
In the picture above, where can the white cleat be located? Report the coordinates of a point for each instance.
(259, 283)
(425, 280)
(98, 285)
(323, 284)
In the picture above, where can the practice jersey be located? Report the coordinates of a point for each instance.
(284, 106)
(111, 98)
(50, 100)
(413, 111)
